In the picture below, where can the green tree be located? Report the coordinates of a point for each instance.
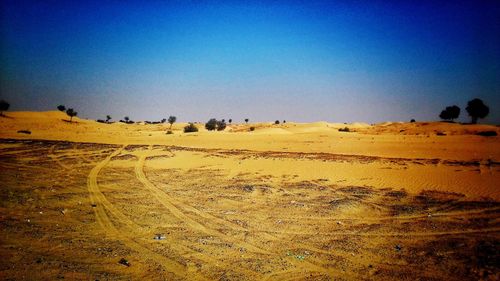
(171, 121)
(477, 109)
(71, 113)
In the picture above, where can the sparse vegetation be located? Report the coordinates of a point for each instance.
(211, 124)
(4, 106)
(477, 109)
(61, 107)
(71, 113)
(190, 128)
(450, 113)
(487, 133)
(171, 121)
(169, 132)
(345, 129)
(221, 125)
(276, 122)
(252, 129)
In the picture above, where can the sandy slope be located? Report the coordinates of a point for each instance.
(288, 202)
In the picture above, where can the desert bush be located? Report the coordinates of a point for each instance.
(169, 132)
(230, 121)
(284, 121)
(28, 132)
(252, 129)
(101, 121)
(191, 128)
(345, 129)
(108, 117)
(71, 113)
(163, 120)
(477, 109)
(211, 124)
(412, 121)
(4, 106)
(450, 113)
(221, 125)
(61, 107)
(487, 133)
(276, 122)
(246, 120)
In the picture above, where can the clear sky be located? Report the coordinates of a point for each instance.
(338, 61)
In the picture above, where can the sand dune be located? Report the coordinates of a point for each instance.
(295, 201)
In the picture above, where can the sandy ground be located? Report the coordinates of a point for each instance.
(394, 201)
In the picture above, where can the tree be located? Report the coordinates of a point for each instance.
(71, 113)
(246, 120)
(211, 124)
(61, 107)
(230, 121)
(450, 113)
(276, 122)
(171, 120)
(108, 117)
(126, 118)
(191, 128)
(221, 125)
(477, 109)
(163, 120)
(4, 106)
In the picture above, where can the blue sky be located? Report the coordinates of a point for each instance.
(339, 61)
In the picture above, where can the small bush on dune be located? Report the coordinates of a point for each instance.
(169, 132)
(61, 107)
(344, 129)
(221, 125)
(412, 121)
(191, 128)
(211, 124)
(276, 122)
(71, 113)
(487, 133)
(252, 129)
(4, 106)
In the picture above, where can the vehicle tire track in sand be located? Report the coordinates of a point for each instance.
(168, 202)
(97, 198)
(174, 206)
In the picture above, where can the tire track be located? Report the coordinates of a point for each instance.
(101, 204)
(174, 206)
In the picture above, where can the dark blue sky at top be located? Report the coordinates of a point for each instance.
(339, 61)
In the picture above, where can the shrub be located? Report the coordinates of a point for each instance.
(172, 120)
(4, 106)
(246, 120)
(28, 132)
(211, 124)
(221, 125)
(169, 132)
(345, 129)
(61, 107)
(412, 121)
(450, 113)
(487, 133)
(191, 128)
(230, 121)
(252, 129)
(276, 122)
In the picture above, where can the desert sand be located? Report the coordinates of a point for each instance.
(294, 201)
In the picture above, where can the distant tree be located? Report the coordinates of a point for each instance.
(171, 120)
(284, 121)
(223, 120)
(246, 120)
(108, 117)
(126, 118)
(477, 109)
(191, 128)
(412, 121)
(163, 120)
(230, 121)
(276, 122)
(450, 113)
(211, 124)
(61, 107)
(71, 113)
(221, 125)
(4, 106)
